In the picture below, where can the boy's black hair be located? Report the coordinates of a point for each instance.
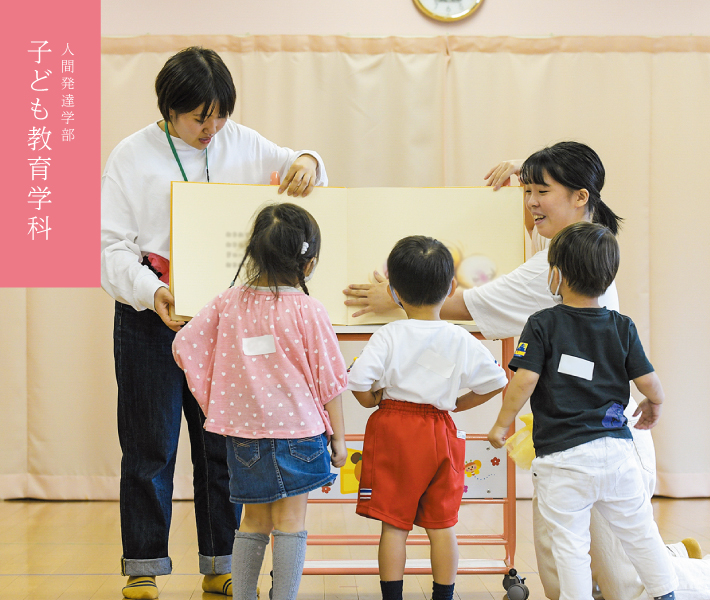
(276, 246)
(576, 166)
(195, 76)
(588, 256)
(420, 269)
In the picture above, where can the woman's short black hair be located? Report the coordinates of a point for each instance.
(420, 269)
(588, 256)
(576, 166)
(195, 76)
(284, 239)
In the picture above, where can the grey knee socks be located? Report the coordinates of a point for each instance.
(247, 558)
(289, 556)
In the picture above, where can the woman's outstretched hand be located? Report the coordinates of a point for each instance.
(372, 297)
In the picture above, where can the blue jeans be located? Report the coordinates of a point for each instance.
(152, 394)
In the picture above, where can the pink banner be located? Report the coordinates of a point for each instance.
(51, 165)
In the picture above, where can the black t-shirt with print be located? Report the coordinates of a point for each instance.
(585, 358)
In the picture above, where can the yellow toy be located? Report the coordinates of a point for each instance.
(520, 444)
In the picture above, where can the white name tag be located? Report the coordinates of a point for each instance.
(263, 344)
(578, 367)
(460, 434)
(436, 363)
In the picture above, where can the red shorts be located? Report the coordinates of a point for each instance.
(412, 467)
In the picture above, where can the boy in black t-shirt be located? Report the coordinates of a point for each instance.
(575, 361)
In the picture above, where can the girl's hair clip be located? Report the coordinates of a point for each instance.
(304, 248)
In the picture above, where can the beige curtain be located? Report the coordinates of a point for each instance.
(406, 112)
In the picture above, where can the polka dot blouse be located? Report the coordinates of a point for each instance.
(261, 366)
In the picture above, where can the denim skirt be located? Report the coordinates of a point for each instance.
(266, 470)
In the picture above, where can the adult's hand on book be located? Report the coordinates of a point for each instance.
(301, 176)
(372, 297)
(163, 300)
(499, 175)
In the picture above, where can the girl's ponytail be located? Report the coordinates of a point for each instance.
(302, 282)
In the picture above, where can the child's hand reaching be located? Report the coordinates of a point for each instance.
(338, 452)
(496, 436)
(650, 414)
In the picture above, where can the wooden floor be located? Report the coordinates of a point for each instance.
(71, 550)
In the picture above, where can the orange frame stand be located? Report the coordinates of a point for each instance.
(466, 566)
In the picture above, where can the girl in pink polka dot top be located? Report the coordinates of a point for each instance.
(263, 362)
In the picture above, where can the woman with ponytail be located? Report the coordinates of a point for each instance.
(562, 185)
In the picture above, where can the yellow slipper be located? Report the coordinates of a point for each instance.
(693, 548)
(141, 588)
(220, 584)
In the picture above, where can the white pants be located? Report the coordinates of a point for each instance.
(611, 569)
(604, 474)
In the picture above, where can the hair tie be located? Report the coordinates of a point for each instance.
(304, 247)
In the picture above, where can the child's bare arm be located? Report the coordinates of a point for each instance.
(520, 389)
(369, 399)
(338, 451)
(471, 399)
(650, 408)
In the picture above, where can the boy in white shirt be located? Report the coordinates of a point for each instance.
(413, 455)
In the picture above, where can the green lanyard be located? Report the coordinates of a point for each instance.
(177, 158)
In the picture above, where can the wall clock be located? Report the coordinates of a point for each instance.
(447, 10)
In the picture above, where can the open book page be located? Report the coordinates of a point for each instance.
(210, 228)
(359, 226)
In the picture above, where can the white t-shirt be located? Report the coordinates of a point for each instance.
(425, 362)
(135, 196)
(502, 307)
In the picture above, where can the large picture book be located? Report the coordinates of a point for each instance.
(210, 225)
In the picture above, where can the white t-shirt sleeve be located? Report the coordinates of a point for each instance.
(369, 368)
(501, 308)
(484, 374)
(268, 156)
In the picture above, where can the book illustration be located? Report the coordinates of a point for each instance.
(475, 270)
(472, 468)
(350, 472)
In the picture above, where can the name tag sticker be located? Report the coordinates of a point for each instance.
(436, 363)
(263, 344)
(460, 434)
(577, 367)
